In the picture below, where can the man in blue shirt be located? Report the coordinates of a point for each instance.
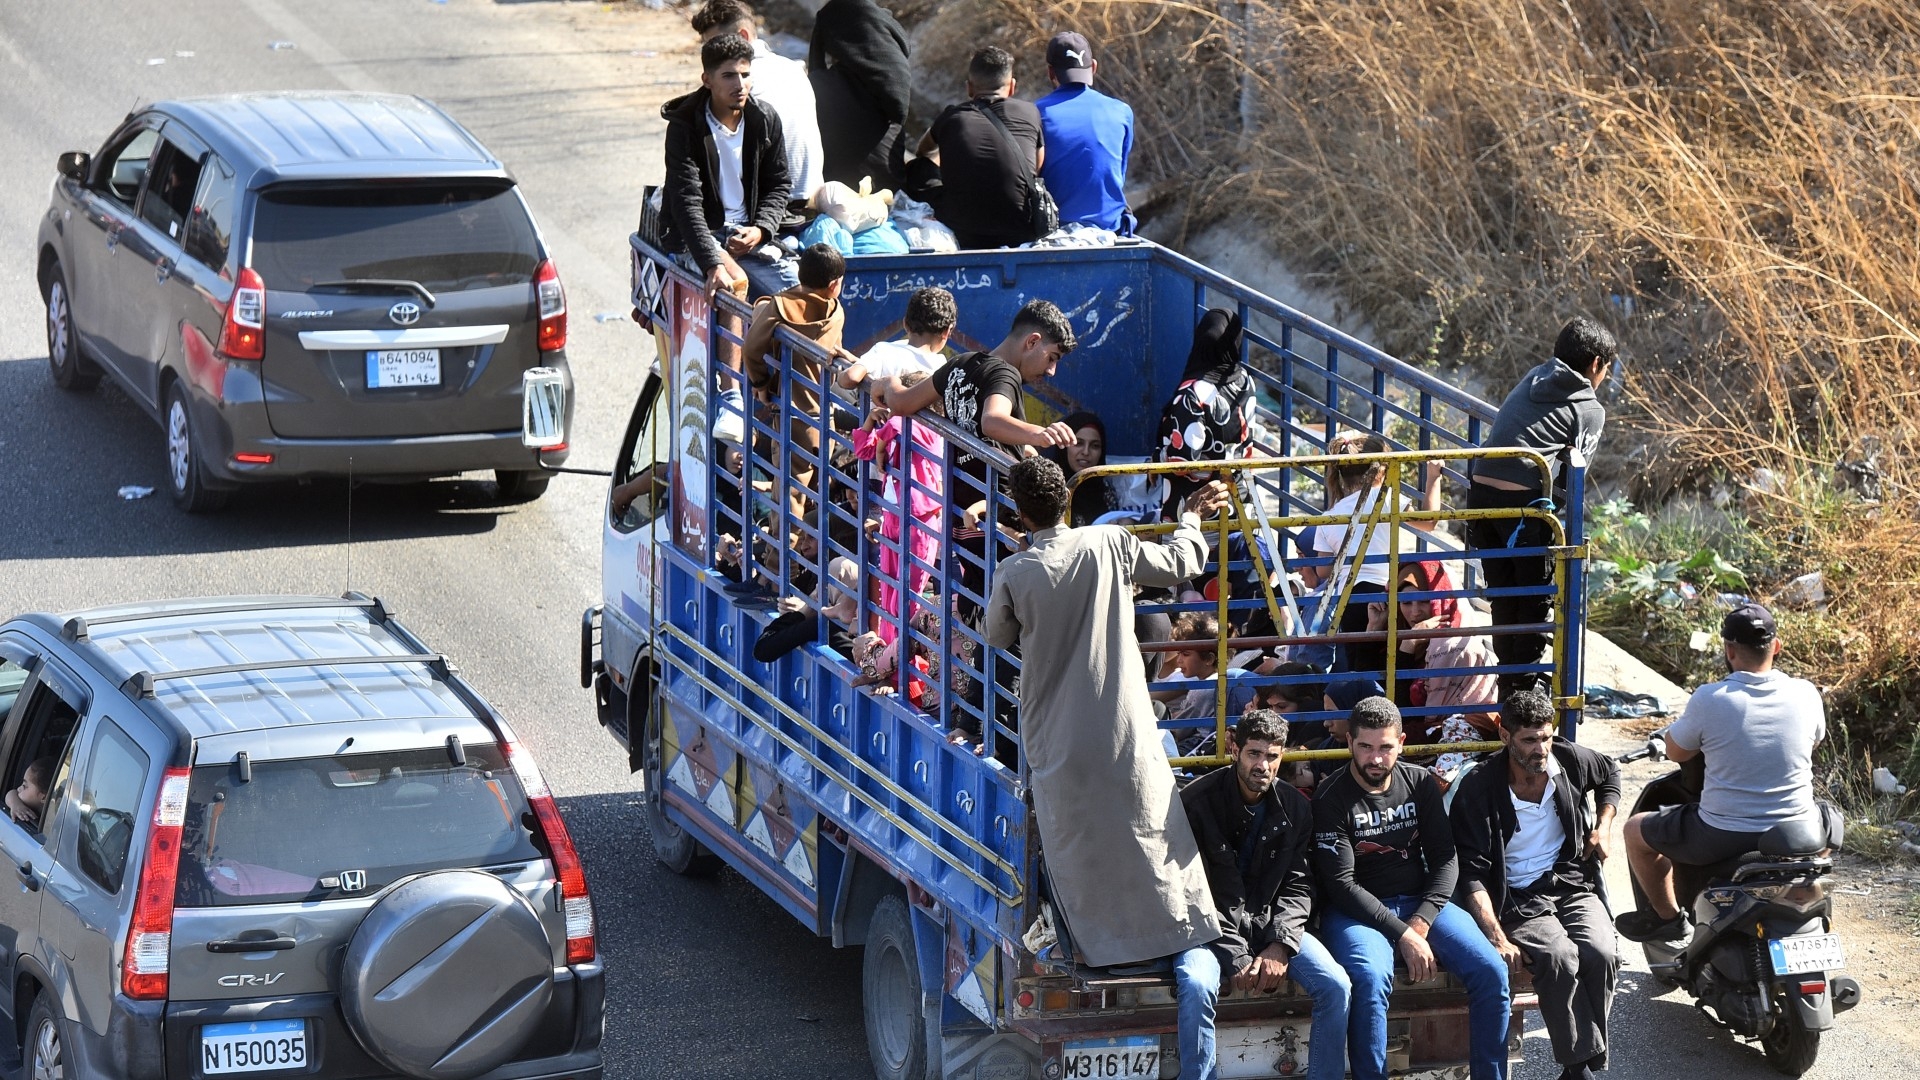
(1086, 170)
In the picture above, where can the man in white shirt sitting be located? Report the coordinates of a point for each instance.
(931, 314)
(779, 82)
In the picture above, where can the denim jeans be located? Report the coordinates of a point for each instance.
(769, 268)
(1197, 980)
(1461, 949)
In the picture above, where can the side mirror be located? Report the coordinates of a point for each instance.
(543, 408)
(73, 164)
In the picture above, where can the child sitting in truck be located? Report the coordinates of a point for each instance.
(881, 431)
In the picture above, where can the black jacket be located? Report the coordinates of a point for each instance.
(869, 48)
(1483, 818)
(1275, 909)
(690, 202)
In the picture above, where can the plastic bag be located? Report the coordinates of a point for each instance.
(857, 209)
(882, 239)
(825, 230)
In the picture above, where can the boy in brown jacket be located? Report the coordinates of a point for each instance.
(811, 310)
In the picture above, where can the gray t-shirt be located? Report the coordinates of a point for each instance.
(1758, 732)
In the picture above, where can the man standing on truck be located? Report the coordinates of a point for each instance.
(1530, 860)
(1124, 871)
(1383, 853)
(1554, 411)
(1254, 834)
(1758, 728)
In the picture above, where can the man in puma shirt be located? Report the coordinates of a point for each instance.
(1383, 854)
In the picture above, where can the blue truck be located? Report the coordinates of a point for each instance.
(888, 809)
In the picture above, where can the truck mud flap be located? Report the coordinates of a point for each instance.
(989, 1056)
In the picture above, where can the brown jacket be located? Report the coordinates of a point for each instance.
(811, 315)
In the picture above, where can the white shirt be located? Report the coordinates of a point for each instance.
(1332, 539)
(733, 191)
(892, 358)
(782, 85)
(1537, 834)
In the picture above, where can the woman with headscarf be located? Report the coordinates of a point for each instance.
(1210, 416)
(1470, 695)
(1095, 497)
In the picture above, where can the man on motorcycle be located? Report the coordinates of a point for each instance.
(1757, 728)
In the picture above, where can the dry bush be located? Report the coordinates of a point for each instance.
(1729, 183)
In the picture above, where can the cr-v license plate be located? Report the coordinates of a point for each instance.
(402, 367)
(260, 1046)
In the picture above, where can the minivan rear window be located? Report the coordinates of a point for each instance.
(447, 237)
(326, 828)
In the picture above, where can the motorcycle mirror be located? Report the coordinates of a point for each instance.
(1657, 747)
(543, 409)
(73, 164)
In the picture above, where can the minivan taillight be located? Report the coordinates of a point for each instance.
(575, 904)
(243, 334)
(553, 307)
(143, 973)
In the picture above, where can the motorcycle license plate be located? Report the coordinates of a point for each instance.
(1802, 953)
(1134, 1057)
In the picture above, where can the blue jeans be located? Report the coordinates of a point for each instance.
(1197, 983)
(1461, 949)
(769, 268)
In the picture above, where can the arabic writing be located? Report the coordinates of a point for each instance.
(906, 284)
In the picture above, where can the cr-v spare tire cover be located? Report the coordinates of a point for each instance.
(447, 976)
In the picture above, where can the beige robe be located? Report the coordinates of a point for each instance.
(1125, 871)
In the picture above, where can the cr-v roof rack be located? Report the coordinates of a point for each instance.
(78, 627)
(142, 683)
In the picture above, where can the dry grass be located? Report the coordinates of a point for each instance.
(1731, 184)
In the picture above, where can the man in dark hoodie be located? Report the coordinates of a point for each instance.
(1555, 412)
(727, 181)
(862, 85)
(1530, 852)
(1254, 834)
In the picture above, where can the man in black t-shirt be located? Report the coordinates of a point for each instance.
(1383, 853)
(983, 170)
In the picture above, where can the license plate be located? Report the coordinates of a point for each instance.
(1805, 952)
(1135, 1056)
(402, 367)
(260, 1046)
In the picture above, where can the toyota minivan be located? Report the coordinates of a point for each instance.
(299, 285)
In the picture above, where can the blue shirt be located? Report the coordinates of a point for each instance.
(1089, 137)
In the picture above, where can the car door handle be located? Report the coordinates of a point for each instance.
(244, 943)
(27, 878)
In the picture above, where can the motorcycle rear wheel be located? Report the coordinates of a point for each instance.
(1790, 1048)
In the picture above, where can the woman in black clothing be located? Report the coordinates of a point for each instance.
(1210, 416)
(1096, 496)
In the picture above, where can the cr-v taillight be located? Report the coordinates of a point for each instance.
(575, 904)
(243, 334)
(143, 973)
(553, 307)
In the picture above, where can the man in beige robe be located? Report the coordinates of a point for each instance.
(1125, 871)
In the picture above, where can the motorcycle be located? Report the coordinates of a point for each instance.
(1761, 958)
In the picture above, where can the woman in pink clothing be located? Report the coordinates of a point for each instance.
(881, 431)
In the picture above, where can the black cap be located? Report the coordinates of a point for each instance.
(1748, 624)
(1071, 58)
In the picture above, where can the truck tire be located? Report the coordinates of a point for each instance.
(675, 847)
(900, 1034)
(1790, 1047)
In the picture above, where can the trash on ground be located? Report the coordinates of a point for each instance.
(1701, 641)
(280, 46)
(156, 61)
(1908, 847)
(1885, 784)
(183, 54)
(643, 52)
(135, 491)
(608, 316)
(1620, 704)
(1906, 828)
(1807, 590)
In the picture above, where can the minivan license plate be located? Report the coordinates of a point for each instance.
(402, 367)
(1802, 953)
(1134, 1057)
(260, 1046)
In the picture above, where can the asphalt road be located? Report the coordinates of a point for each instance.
(708, 978)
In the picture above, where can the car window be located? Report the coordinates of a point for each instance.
(109, 804)
(46, 727)
(388, 816)
(448, 237)
(124, 165)
(210, 225)
(170, 188)
(13, 677)
(647, 451)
